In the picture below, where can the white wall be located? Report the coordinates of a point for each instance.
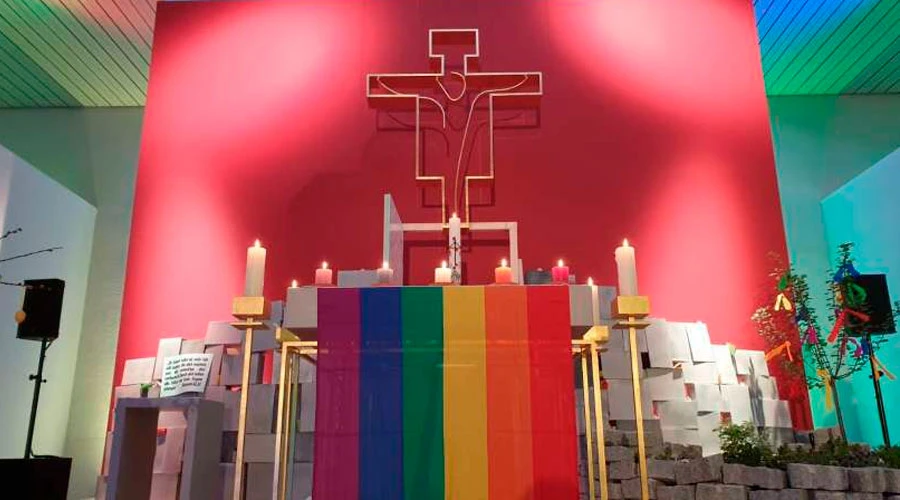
(94, 153)
(49, 215)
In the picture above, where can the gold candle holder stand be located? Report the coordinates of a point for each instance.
(630, 312)
(588, 349)
(249, 313)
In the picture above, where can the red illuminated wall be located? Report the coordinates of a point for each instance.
(653, 126)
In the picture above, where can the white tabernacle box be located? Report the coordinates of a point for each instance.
(658, 345)
(700, 373)
(682, 436)
(301, 486)
(307, 408)
(725, 365)
(737, 401)
(581, 306)
(215, 368)
(678, 342)
(259, 448)
(194, 346)
(222, 333)
(261, 409)
(616, 364)
(167, 347)
(698, 339)
(169, 449)
(357, 279)
(661, 384)
(259, 481)
(621, 392)
(776, 413)
(164, 487)
(709, 398)
(263, 340)
(232, 403)
(767, 387)
(677, 414)
(138, 371)
(300, 310)
(707, 425)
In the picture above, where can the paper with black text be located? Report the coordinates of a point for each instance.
(185, 373)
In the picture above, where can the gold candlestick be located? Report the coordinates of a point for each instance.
(630, 312)
(249, 312)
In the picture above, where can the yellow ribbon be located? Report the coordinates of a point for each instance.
(829, 398)
(879, 368)
(778, 350)
(782, 301)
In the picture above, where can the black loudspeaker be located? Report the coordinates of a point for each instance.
(878, 307)
(42, 308)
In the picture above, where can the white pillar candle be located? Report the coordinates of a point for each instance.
(503, 275)
(454, 244)
(625, 264)
(323, 275)
(442, 275)
(256, 271)
(385, 274)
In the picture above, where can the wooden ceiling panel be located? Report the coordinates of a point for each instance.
(97, 52)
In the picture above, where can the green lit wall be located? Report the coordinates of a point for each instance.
(866, 211)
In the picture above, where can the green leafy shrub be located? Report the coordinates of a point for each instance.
(743, 444)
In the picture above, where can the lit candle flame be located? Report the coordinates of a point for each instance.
(443, 264)
(503, 263)
(384, 265)
(293, 283)
(256, 244)
(590, 281)
(560, 263)
(324, 265)
(625, 242)
(453, 216)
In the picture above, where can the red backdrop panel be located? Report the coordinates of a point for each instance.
(653, 126)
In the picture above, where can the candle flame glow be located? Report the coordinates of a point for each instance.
(625, 242)
(443, 264)
(324, 265)
(560, 263)
(503, 263)
(453, 216)
(384, 265)
(293, 283)
(256, 244)
(590, 281)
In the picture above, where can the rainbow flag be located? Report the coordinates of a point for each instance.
(428, 393)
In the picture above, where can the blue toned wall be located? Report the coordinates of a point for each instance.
(822, 142)
(866, 211)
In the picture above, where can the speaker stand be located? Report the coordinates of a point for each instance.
(38, 381)
(879, 399)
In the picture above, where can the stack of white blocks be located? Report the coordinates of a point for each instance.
(691, 385)
(225, 343)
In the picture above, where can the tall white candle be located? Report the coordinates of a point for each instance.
(454, 244)
(625, 264)
(256, 270)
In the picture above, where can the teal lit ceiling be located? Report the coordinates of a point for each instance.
(96, 52)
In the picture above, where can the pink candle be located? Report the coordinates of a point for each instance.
(323, 275)
(385, 274)
(560, 272)
(503, 274)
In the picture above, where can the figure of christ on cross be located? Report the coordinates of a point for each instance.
(454, 110)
